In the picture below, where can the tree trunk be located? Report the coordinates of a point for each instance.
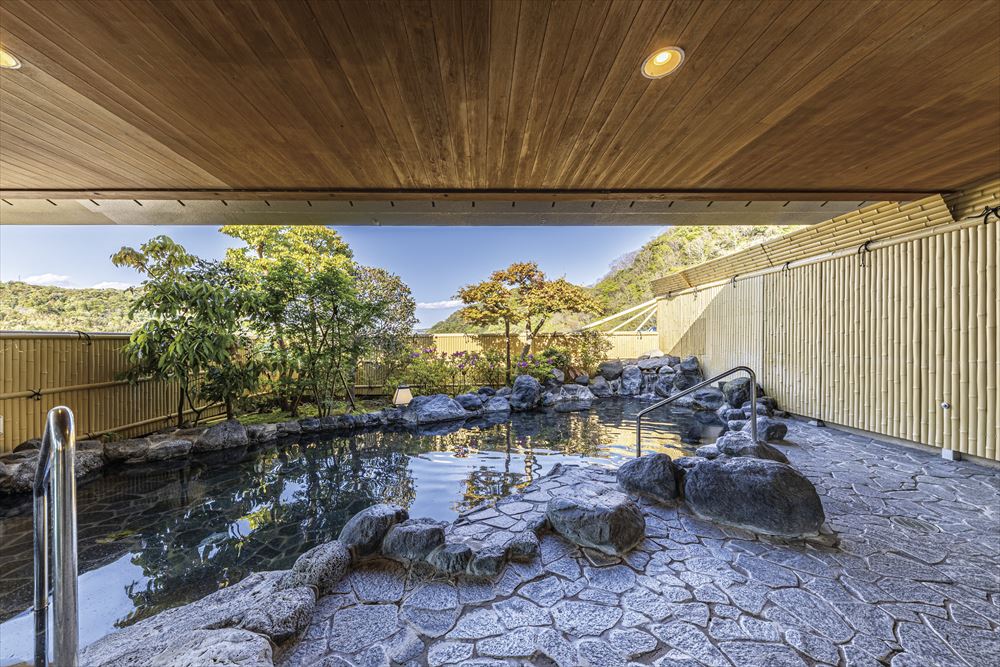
(506, 326)
(229, 409)
(180, 406)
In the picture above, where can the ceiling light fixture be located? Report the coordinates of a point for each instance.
(663, 62)
(8, 61)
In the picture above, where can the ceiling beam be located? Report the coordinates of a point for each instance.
(472, 195)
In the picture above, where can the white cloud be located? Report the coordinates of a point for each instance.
(439, 305)
(47, 279)
(111, 284)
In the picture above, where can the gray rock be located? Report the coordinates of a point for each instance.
(582, 379)
(688, 365)
(651, 476)
(600, 387)
(228, 647)
(321, 567)
(364, 532)
(573, 406)
(685, 379)
(739, 443)
(134, 450)
(504, 392)
(558, 375)
(526, 393)
(610, 370)
(413, 540)
(289, 428)
(708, 398)
(488, 561)
(597, 517)
(310, 425)
(708, 451)
(758, 494)
(737, 391)
(163, 450)
(653, 363)
(281, 615)
(257, 433)
(584, 618)
(631, 381)
(496, 404)
(433, 408)
(358, 627)
(664, 386)
(470, 402)
(768, 429)
(486, 391)
(222, 436)
(523, 548)
(450, 558)
(31, 444)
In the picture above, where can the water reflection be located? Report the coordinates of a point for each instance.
(151, 539)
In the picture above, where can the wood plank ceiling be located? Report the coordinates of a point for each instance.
(797, 99)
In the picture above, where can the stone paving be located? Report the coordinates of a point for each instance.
(906, 575)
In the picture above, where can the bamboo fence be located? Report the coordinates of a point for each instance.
(899, 340)
(39, 370)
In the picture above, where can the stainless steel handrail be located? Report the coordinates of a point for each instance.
(55, 475)
(671, 399)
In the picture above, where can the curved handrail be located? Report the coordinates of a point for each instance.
(671, 399)
(55, 473)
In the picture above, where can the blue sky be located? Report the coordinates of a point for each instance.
(434, 261)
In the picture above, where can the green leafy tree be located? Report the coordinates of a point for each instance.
(192, 319)
(317, 311)
(521, 294)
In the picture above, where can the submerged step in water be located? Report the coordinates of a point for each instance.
(155, 538)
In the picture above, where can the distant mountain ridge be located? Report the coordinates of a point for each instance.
(26, 307)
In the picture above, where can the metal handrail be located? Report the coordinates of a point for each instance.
(55, 475)
(671, 399)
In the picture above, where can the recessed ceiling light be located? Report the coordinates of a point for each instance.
(663, 62)
(8, 61)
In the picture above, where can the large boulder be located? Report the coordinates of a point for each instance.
(653, 363)
(363, 533)
(686, 378)
(631, 381)
(664, 386)
(558, 375)
(600, 387)
(321, 567)
(232, 647)
(433, 408)
(470, 402)
(526, 394)
(768, 429)
(413, 540)
(133, 450)
(222, 436)
(707, 398)
(162, 450)
(756, 494)
(450, 558)
(737, 391)
(257, 433)
(599, 518)
(652, 476)
(610, 370)
(496, 404)
(739, 443)
(582, 378)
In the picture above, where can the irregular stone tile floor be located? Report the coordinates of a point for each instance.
(909, 576)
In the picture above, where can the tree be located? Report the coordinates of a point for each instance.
(322, 310)
(193, 319)
(521, 294)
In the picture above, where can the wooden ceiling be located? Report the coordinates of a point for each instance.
(314, 99)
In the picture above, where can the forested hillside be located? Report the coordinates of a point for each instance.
(627, 284)
(44, 308)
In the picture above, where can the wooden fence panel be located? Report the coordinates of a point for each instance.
(881, 341)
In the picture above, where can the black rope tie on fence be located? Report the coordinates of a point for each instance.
(733, 282)
(863, 251)
(786, 268)
(84, 336)
(36, 394)
(987, 212)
